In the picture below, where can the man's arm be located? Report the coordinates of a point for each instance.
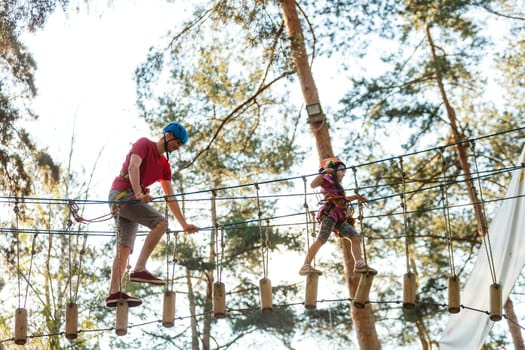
(134, 178)
(173, 204)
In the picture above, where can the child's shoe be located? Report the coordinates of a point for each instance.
(306, 269)
(362, 267)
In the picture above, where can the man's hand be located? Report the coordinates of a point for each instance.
(189, 228)
(144, 197)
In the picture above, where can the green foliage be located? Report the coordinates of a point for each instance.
(17, 150)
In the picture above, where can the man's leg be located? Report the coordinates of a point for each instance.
(117, 272)
(149, 244)
(119, 268)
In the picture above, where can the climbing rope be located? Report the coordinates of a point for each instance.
(16, 210)
(264, 240)
(81, 259)
(220, 256)
(219, 242)
(484, 228)
(404, 207)
(446, 212)
(171, 281)
(306, 212)
(118, 230)
(168, 231)
(360, 216)
(73, 207)
(69, 223)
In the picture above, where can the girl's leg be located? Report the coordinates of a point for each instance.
(327, 226)
(351, 234)
(312, 251)
(356, 248)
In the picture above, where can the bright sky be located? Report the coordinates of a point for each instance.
(85, 81)
(86, 89)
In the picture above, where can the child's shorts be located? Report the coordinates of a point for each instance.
(329, 225)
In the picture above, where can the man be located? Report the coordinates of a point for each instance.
(144, 165)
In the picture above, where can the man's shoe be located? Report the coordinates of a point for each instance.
(307, 269)
(113, 299)
(146, 277)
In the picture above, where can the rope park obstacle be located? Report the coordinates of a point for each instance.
(219, 309)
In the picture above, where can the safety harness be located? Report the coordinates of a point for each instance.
(333, 200)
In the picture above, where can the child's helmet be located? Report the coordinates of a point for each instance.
(331, 162)
(178, 131)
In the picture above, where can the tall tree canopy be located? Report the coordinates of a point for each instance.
(19, 156)
(227, 74)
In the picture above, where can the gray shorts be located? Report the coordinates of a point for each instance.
(131, 214)
(342, 227)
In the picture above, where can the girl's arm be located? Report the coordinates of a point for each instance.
(318, 180)
(358, 197)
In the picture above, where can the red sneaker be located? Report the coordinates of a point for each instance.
(113, 299)
(146, 277)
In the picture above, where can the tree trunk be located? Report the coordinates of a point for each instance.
(481, 219)
(514, 328)
(319, 127)
(424, 339)
(363, 318)
(193, 312)
(457, 136)
(364, 321)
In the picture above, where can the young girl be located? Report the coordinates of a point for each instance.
(335, 215)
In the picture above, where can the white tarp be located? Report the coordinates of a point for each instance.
(468, 329)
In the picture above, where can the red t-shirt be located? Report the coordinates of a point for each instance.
(154, 167)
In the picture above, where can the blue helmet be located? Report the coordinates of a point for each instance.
(178, 131)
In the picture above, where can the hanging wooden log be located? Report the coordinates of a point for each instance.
(265, 287)
(219, 300)
(168, 312)
(122, 318)
(20, 326)
(453, 295)
(363, 290)
(409, 290)
(71, 321)
(495, 302)
(310, 300)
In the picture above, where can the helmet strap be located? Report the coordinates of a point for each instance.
(166, 148)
